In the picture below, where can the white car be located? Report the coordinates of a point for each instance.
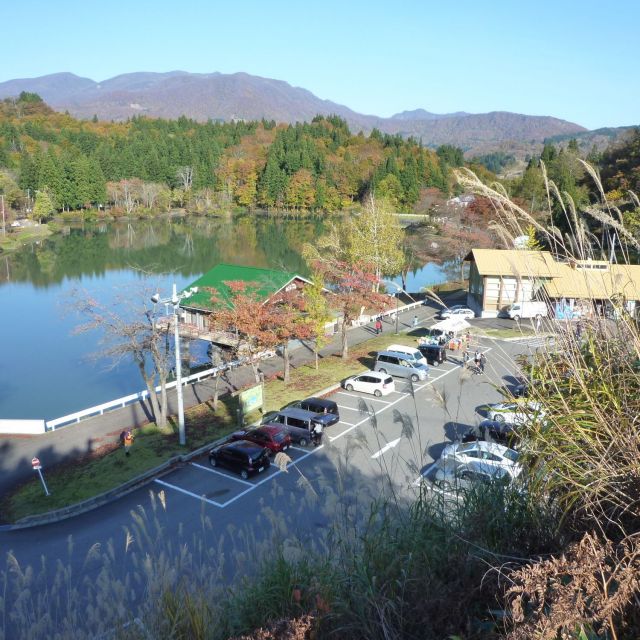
(379, 384)
(515, 412)
(488, 458)
(457, 311)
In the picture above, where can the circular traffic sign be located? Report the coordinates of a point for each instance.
(35, 463)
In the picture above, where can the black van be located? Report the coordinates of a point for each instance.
(318, 405)
(434, 353)
(298, 423)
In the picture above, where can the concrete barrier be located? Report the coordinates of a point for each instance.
(28, 427)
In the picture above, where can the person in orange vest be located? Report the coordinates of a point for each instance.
(128, 441)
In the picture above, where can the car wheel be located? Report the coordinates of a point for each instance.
(377, 393)
(414, 378)
(382, 370)
(349, 387)
(302, 442)
(244, 474)
(213, 462)
(498, 417)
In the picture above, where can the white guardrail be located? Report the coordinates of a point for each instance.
(19, 426)
(74, 418)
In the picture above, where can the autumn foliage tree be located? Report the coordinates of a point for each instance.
(353, 289)
(260, 325)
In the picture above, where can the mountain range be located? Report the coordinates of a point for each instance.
(219, 96)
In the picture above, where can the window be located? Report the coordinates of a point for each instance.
(297, 422)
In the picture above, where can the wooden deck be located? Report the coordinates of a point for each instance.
(187, 330)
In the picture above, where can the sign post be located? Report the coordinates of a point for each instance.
(35, 463)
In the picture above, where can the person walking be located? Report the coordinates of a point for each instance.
(483, 362)
(465, 357)
(127, 441)
(378, 325)
(476, 362)
(415, 321)
(538, 323)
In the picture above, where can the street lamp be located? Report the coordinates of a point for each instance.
(399, 290)
(174, 301)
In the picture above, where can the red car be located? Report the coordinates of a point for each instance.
(269, 436)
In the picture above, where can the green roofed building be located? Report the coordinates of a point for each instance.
(265, 282)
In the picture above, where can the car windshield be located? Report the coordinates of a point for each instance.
(512, 455)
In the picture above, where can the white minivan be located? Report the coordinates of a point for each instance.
(411, 352)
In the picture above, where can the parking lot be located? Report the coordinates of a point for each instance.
(220, 488)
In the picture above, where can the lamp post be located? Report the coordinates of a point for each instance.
(399, 290)
(175, 301)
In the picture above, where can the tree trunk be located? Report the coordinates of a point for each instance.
(345, 342)
(255, 367)
(287, 363)
(216, 391)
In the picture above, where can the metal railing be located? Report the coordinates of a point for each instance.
(119, 403)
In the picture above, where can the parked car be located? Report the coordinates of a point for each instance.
(379, 384)
(435, 354)
(411, 352)
(515, 412)
(241, 456)
(400, 365)
(457, 311)
(274, 438)
(298, 423)
(451, 477)
(484, 457)
(318, 405)
(505, 433)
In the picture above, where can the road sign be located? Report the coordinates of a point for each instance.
(35, 463)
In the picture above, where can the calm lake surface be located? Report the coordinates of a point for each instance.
(46, 370)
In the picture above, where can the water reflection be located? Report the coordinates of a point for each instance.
(45, 371)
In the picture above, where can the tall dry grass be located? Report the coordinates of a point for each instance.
(584, 458)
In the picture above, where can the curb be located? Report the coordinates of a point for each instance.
(107, 497)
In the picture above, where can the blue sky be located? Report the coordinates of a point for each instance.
(576, 60)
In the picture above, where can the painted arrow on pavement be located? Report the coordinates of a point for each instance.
(390, 445)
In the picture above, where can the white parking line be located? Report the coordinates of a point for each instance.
(343, 406)
(219, 473)
(349, 424)
(423, 474)
(189, 493)
(353, 395)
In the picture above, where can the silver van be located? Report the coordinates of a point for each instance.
(400, 365)
(298, 423)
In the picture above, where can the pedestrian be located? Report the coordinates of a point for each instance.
(483, 362)
(538, 323)
(465, 357)
(579, 330)
(128, 441)
(415, 321)
(316, 434)
(378, 325)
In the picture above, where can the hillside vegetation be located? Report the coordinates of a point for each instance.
(157, 164)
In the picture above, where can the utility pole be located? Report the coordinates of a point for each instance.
(4, 226)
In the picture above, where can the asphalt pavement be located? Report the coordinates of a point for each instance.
(379, 448)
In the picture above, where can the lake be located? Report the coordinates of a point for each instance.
(46, 370)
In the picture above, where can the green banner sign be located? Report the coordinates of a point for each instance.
(251, 399)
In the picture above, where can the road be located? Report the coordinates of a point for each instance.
(379, 448)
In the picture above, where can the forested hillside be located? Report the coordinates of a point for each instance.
(67, 164)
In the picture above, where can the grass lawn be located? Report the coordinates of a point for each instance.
(109, 468)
